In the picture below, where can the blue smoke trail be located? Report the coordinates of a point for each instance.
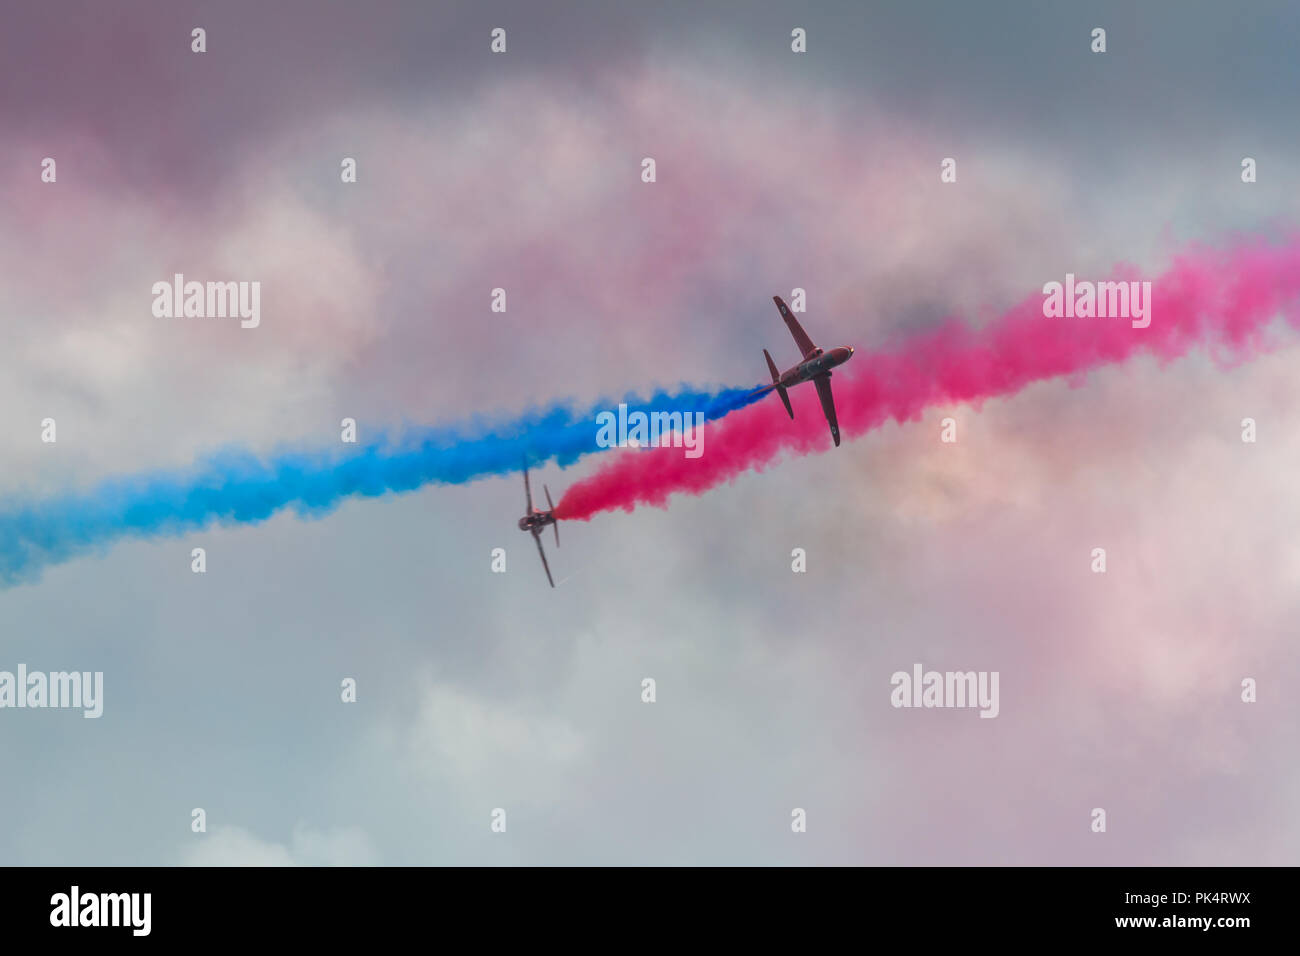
(234, 487)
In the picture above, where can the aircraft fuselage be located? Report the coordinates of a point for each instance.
(536, 520)
(820, 362)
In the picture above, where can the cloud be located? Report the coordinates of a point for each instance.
(227, 845)
(498, 751)
(523, 172)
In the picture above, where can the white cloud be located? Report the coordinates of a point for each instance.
(228, 845)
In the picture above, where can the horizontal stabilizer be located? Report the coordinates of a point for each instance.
(776, 383)
(555, 522)
(771, 367)
(785, 399)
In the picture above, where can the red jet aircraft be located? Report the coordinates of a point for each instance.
(534, 521)
(815, 367)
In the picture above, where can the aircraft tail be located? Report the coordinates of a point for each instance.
(776, 382)
(555, 522)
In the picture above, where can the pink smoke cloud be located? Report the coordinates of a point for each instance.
(1222, 299)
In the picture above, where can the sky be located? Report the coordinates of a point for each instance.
(775, 170)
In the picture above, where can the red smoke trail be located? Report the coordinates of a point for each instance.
(1222, 299)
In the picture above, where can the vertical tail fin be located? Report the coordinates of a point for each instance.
(776, 382)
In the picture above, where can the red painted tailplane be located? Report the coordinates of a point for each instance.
(776, 383)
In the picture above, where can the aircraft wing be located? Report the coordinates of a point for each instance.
(800, 336)
(528, 491)
(538, 539)
(823, 383)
